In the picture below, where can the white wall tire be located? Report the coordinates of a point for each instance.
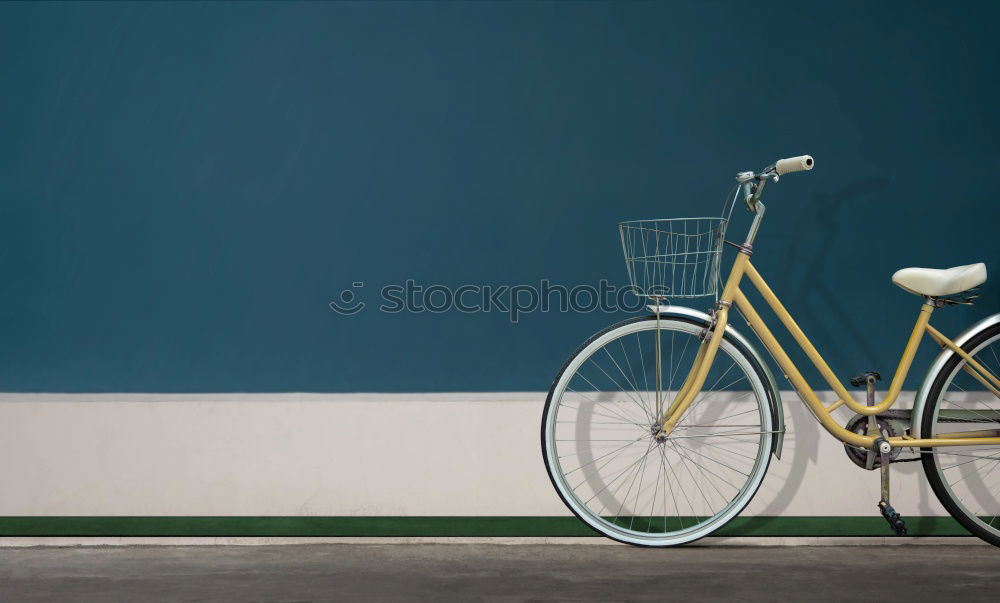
(966, 479)
(718, 458)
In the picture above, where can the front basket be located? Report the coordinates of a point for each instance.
(673, 258)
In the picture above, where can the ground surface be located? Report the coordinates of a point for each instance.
(474, 572)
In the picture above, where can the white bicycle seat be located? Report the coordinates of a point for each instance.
(936, 283)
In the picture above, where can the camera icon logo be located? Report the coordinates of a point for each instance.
(347, 302)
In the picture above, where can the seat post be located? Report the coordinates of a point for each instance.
(964, 298)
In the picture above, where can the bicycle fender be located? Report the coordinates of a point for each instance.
(921, 400)
(773, 395)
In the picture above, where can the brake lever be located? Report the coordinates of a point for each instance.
(753, 185)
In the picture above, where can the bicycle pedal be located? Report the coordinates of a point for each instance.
(862, 379)
(895, 521)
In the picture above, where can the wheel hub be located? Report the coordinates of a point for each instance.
(658, 434)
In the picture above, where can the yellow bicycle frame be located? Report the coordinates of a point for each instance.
(731, 294)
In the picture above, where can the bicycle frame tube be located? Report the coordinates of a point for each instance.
(732, 294)
(706, 351)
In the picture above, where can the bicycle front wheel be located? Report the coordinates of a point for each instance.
(600, 423)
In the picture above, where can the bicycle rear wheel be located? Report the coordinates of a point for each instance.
(599, 427)
(966, 479)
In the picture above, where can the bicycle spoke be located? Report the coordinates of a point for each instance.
(720, 435)
(626, 470)
(639, 471)
(712, 389)
(604, 406)
(628, 363)
(967, 479)
(673, 373)
(697, 483)
(645, 411)
(601, 457)
(625, 378)
(679, 445)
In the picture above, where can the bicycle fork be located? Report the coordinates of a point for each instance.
(711, 338)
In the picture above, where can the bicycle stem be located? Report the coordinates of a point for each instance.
(755, 225)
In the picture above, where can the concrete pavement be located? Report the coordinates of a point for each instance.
(490, 572)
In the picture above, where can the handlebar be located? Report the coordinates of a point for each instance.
(753, 186)
(793, 164)
(753, 183)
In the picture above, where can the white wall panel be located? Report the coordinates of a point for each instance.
(350, 454)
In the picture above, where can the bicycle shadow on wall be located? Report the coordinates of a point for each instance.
(815, 304)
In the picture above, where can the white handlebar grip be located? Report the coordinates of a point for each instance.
(794, 164)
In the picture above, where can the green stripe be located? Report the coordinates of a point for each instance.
(439, 526)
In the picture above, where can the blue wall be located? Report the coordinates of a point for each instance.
(185, 187)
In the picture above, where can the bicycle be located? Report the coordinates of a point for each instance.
(647, 463)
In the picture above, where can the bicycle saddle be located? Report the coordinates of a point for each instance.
(936, 283)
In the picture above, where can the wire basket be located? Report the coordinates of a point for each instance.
(673, 258)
